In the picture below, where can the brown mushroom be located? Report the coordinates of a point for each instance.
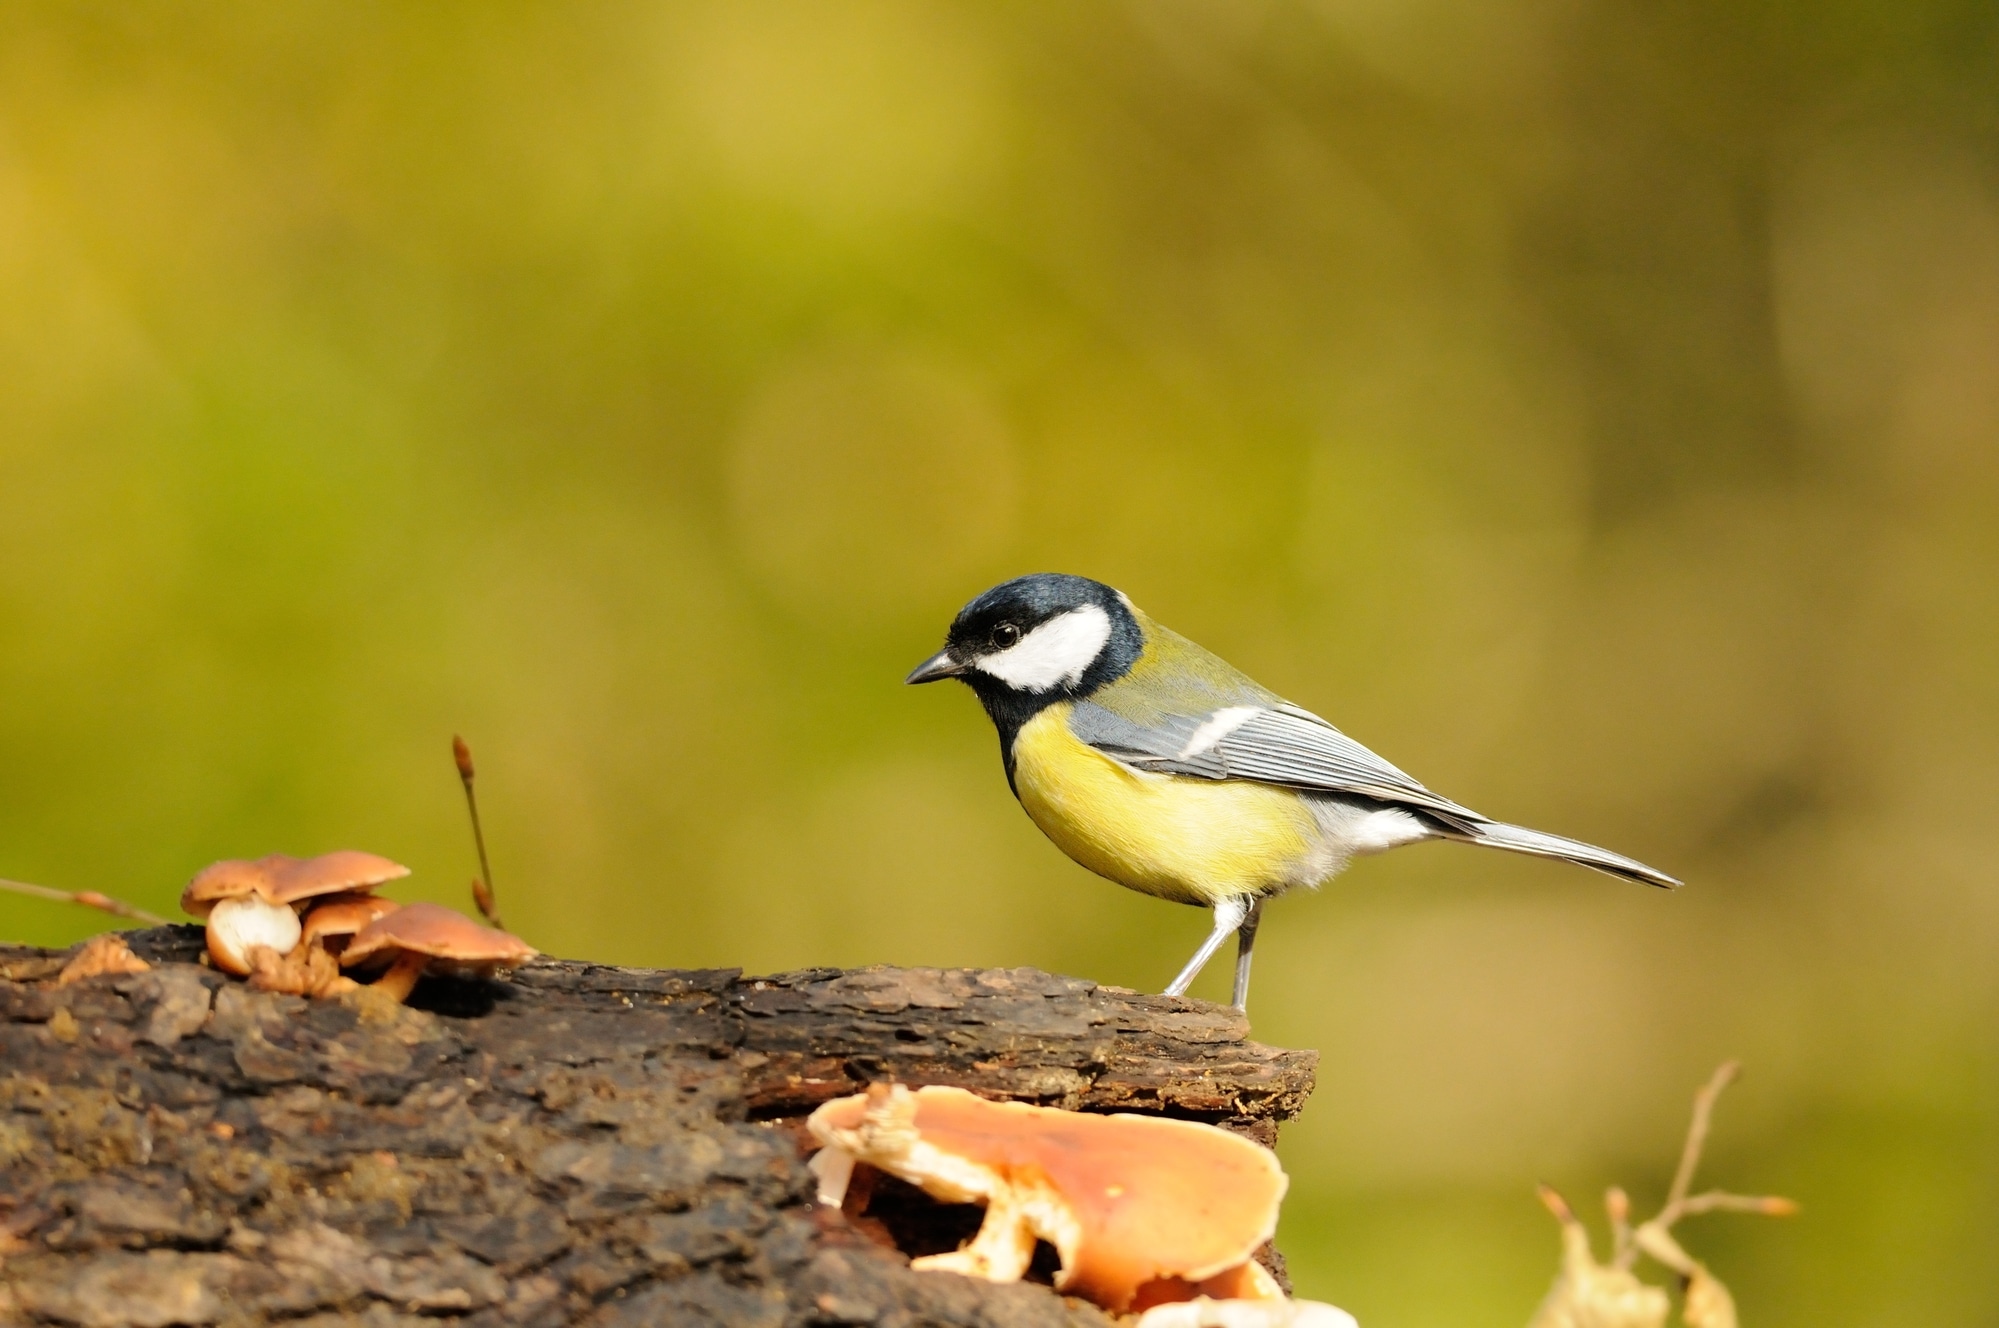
(421, 936)
(1142, 1210)
(283, 879)
(343, 871)
(248, 904)
(335, 920)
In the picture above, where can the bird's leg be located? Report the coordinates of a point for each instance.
(1245, 941)
(1228, 916)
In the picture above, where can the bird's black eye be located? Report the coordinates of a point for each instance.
(1005, 635)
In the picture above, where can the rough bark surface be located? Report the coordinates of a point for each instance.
(583, 1144)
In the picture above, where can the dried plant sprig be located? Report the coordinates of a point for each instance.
(103, 903)
(1716, 1201)
(1588, 1294)
(482, 885)
(1591, 1295)
(1690, 1153)
(1618, 1204)
(1651, 1236)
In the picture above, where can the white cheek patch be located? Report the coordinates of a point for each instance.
(1057, 653)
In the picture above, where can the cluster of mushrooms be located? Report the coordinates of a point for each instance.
(1155, 1217)
(313, 926)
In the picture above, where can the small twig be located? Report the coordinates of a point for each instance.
(482, 885)
(1715, 1201)
(1552, 1200)
(1690, 1155)
(1618, 1204)
(1652, 1236)
(88, 898)
(1610, 1294)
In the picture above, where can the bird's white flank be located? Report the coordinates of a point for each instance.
(1057, 653)
(1389, 827)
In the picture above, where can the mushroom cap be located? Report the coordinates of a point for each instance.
(345, 870)
(437, 931)
(1127, 1200)
(231, 878)
(345, 914)
(283, 879)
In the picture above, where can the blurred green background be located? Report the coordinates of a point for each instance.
(1590, 404)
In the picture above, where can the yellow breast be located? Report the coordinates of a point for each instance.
(1190, 840)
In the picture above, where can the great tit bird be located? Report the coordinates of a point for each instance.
(1156, 764)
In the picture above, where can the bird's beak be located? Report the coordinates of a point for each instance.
(939, 665)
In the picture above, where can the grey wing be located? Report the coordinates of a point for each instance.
(1269, 744)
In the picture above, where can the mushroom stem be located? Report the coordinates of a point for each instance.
(1003, 1247)
(401, 978)
(833, 1168)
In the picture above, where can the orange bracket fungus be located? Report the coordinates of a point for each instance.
(1142, 1210)
(424, 936)
(1201, 1312)
(250, 904)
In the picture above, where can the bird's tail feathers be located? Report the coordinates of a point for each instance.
(1519, 839)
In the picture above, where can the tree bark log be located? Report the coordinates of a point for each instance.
(581, 1144)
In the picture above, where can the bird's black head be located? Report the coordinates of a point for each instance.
(1035, 640)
